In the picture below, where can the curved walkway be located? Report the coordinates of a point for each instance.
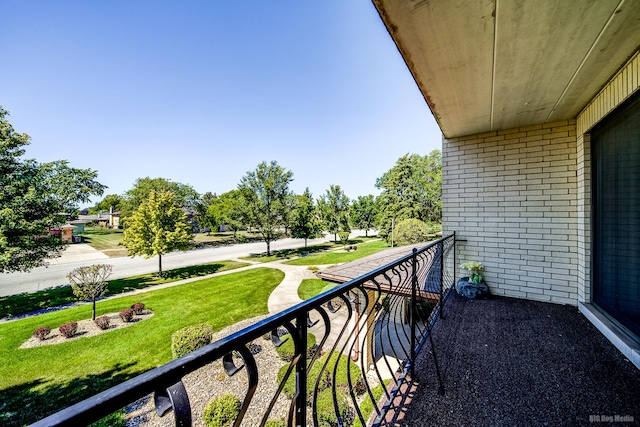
(285, 295)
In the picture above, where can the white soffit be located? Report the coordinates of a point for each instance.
(499, 64)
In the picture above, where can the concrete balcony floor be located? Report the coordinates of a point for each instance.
(512, 362)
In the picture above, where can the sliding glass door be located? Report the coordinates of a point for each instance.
(616, 215)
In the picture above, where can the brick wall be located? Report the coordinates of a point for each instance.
(512, 195)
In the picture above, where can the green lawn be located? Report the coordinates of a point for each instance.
(38, 381)
(24, 303)
(102, 239)
(311, 287)
(333, 257)
(291, 253)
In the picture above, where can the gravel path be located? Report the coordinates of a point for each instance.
(211, 381)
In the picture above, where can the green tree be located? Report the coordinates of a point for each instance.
(104, 205)
(69, 186)
(410, 231)
(264, 192)
(90, 282)
(334, 211)
(157, 227)
(412, 188)
(185, 195)
(305, 223)
(228, 210)
(27, 210)
(202, 215)
(363, 213)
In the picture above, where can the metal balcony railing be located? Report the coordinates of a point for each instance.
(370, 330)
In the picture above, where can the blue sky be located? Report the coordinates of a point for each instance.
(200, 92)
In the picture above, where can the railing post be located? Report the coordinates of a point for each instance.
(441, 279)
(414, 286)
(301, 372)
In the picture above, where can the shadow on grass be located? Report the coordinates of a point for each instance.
(29, 402)
(15, 305)
(139, 282)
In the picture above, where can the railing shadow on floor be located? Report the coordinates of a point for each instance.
(370, 328)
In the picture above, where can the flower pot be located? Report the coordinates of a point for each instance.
(471, 290)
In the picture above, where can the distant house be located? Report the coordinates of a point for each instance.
(103, 219)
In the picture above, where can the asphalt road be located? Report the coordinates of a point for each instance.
(55, 274)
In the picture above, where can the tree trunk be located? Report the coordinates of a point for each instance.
(268, 248)
(335, 238)
(366, 232)
(160, 265)
(93, 315)
(305, 243)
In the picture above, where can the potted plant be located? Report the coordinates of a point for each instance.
(472, 286)
(475, 270)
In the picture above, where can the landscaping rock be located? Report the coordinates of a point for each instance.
(471, 290)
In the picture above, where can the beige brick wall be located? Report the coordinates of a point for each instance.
(512, 195)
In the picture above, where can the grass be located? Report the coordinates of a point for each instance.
(102, 239)
(332, 257)
(303, 252)
(38, 381)
(24, 303)
(309, 288)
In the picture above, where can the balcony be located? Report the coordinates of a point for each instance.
(397, 346)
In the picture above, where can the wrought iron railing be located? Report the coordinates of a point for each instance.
(370, 330)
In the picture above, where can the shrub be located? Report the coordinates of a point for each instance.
(102, 322)
(276, 423)
(287, 350)
(126, 315)
(42, 332)
(326, 411)
(138, 307)
(327, 375)
(410, 231)
(221, 411)
(191, 338)
(69, 329)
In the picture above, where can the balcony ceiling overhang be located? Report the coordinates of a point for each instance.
(499, 64)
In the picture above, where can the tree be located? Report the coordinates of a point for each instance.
(263, 196)
(410, 231)
(157, 227)
(202, 215)
(412, 188)
(185, 195)
(33, 200)
(69, 186)
(363, 213)
(228, 210)
(304, 217)
(334, 211)
(27, 211)
(90, 282)
(109, 201)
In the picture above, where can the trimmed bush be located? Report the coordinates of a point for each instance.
(221, 411)
(69, 329)
(102, 322)
(191, 338)
(126, 315)
(326, 411)
(410, 231)
(138, 307)
(326, 379)
(287, 350)
(42, 332)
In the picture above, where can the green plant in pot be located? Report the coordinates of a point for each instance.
(472, 286)
(475, 270)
